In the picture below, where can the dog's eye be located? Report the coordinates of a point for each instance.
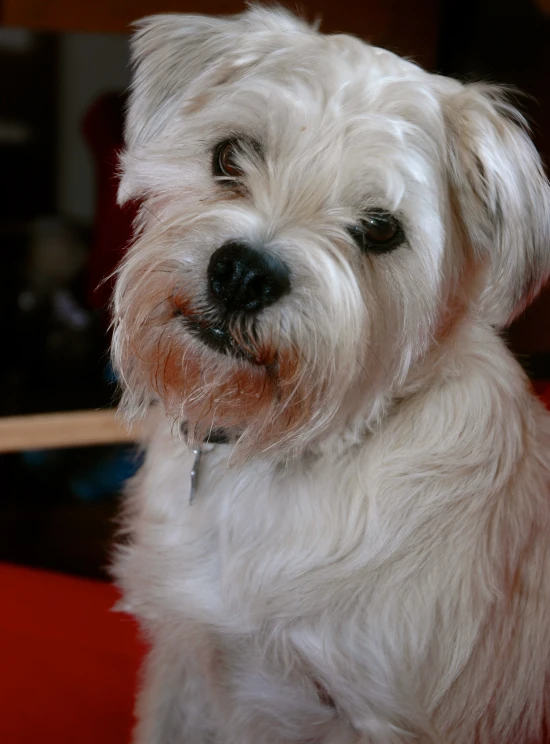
(225, 160)
(377, 232)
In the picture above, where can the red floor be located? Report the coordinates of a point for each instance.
(68, 665)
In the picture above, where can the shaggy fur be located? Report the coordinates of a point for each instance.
(368, 559)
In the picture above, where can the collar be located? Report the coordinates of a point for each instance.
(214, 436)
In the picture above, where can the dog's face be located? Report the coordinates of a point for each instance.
(316, 215)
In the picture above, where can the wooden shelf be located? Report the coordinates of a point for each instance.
(71, 429)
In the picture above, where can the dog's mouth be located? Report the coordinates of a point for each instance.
(216, 336)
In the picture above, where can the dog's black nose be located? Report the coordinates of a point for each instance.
(246, 279)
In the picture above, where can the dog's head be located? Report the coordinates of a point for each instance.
(316, 214)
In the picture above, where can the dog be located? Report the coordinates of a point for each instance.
(341, 530)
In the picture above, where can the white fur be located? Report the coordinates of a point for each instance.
(370, 561)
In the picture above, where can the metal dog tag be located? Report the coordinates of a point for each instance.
(216, 436)
(195, 474)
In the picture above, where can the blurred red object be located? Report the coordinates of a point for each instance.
(542, 388)
(68, 663)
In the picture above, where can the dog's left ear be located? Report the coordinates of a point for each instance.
(503, 197)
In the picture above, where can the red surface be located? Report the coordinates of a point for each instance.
(68, 664)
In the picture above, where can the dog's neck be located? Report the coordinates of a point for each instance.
(441, 362)
(444, 360)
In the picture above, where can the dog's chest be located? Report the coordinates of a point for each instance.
(253, 545)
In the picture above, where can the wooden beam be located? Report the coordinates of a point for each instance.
(59, 430)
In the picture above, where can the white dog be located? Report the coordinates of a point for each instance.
(329, 241)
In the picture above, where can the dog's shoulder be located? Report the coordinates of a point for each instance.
(473, 435)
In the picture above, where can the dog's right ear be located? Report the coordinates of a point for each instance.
(181, 56)
(168, 54)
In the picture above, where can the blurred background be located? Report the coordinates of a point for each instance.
(63, 76)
